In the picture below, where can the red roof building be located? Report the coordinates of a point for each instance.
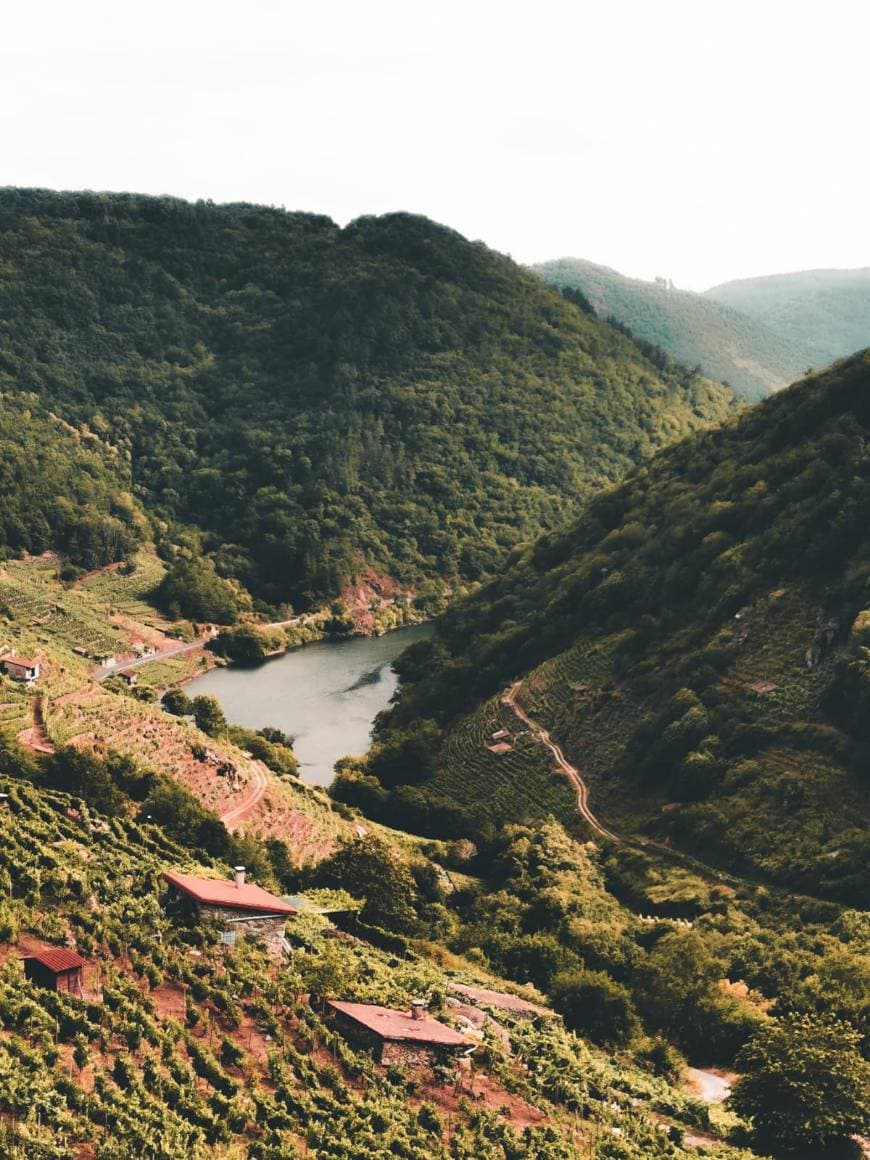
(237, 895)
(396, 1036)
(20, 668)
(238, 907)
(56, 968)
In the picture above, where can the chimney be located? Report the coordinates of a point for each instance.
(240, 876)
(418, 1009)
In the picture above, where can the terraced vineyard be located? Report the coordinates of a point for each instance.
(29, 589)
(776, 659)
(180, 1049)
(510, 786)
(128, 591)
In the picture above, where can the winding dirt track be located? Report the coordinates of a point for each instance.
(570, 771)
(240, 810)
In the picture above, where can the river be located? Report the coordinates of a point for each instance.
(326, 695)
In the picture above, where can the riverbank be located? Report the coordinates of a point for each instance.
(325, 695)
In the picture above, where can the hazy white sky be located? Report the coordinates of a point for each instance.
(700, 140)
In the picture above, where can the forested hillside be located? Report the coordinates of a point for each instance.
(318, 399)
(824, 311)
(697, 641)
(62, 488)
(731, 347)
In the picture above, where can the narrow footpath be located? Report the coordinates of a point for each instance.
(571, 772)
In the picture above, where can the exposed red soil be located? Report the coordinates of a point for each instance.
(481, 1088)
(35, 738)
(372, 588)
(136, 631)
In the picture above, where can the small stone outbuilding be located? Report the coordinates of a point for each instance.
(238, 908)
(405, 1037)
(56, 969)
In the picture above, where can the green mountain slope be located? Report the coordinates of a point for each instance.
(698, 643)
(317, 399)
(62, 488)
(824, 311)
(696, 330)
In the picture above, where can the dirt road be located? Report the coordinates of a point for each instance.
(234, 816)
(570, 771)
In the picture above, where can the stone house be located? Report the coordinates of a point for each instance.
(405, 1037)
(237, 908)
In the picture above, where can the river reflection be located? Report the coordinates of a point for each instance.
(326, 695)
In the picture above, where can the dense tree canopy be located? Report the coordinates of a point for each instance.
(805, 1085)
(62, 488)
(318, 399)
(730, 346)
(698, 635)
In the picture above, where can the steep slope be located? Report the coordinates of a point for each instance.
(696, 330)
(62, 488)
(317, 399)
(180, 1048)
(826, 312)
(697, 644)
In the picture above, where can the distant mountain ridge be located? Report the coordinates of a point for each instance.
(695, 329)
(825, 311)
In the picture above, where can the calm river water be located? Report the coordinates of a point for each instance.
(326, 695)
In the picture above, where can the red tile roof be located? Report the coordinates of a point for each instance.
(22, 662)
(57, 959)
(220, 892)
(499, 999)
(401, 1025)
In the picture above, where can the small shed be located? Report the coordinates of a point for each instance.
(500, 735)
(56, 969)
(405, 1037)
(129, 677)
(238, 907)
(499, 748)
(21, 669)
(763, 688)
